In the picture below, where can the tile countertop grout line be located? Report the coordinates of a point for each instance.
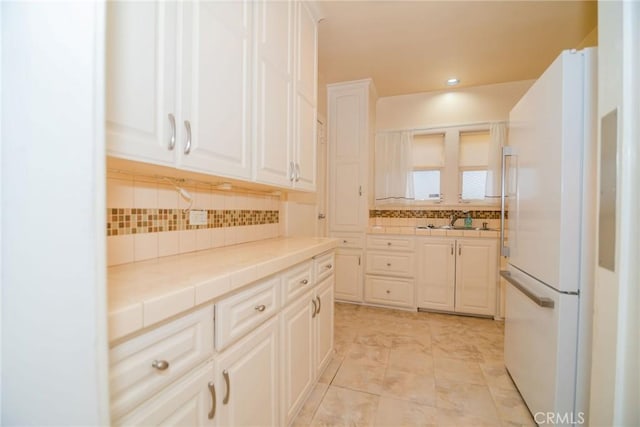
(137, 301)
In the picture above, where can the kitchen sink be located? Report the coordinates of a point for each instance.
(448, 227)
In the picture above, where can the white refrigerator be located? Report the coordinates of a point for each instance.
(549, 184)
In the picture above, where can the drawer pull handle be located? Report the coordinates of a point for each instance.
(304, 282)
(388, 264)
(260, 307)
(345, 241)
(328, 266)
(212, 391)
(315, 308)
(388, 291)
(388, 243)
(160, 365)
(225, 374)
(319, 305)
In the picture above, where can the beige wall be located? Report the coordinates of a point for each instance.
(457, 106)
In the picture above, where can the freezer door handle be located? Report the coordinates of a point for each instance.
(541, 301)
(506, 152)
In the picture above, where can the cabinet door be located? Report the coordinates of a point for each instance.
(305, 100)
(274, 92)
(141, 80)
(189, 402)
(347, 202)
(248, 377)
(215, 91)
(348, 275)
(436, 275)
(297, 360)
(324, 324)
(476, 278)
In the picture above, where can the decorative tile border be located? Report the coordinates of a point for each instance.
(137, 221)
(395, 213)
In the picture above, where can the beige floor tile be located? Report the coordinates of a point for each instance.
(511, 407)
(412, 342)
(400, 413)
(409, 386)
(457, 418)
(343, 407)
(361, 377)
(331, 369)
(469, 399)
(418, 362)
(462, 371)
(368, 355)
(310, 406)
(496, 376)
(374, 338)
(456, 350)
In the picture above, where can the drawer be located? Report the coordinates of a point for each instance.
(391, 243)
(183, 344)
(296, 281)
(387, 291)
(239, 314)
(390, 263)
(324, 265)
(350, 241)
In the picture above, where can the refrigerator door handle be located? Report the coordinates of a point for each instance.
(541, 301)
(506, 152)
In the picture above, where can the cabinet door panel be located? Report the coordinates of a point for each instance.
(389, 291)
(436, 276)
(252, 368)
(476, 276)
(140, 80)
(274, 92)
(305, 141)
(324, 324)
(348, 275)
(346, 204)
(216, 86)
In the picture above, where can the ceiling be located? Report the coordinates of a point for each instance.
(415, 46)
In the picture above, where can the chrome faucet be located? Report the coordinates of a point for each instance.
(455, 215)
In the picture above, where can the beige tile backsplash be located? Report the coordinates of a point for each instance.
(146, 219)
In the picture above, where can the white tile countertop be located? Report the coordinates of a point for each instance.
(144, 293)
(439, 232)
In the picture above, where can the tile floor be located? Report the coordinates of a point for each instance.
(396, 368)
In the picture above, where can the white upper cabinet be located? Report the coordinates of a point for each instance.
(286, 64)
(216, 66)
(229, 90)
(141, 82)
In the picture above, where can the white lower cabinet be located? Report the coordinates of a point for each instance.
(390, 291)
(458, 275)
(189, 402)
(348, 275)
(248, 378)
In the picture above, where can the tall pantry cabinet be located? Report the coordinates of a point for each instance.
(351, 130)
(226, 88)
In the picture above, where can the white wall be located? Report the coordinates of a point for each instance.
(449, 107)
(54, 361)
(615, 377)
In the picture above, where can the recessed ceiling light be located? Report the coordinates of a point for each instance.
(453, 81)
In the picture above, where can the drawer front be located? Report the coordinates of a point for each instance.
(350, 242)
(324, 266)
(296, 281)
(383, 290)
(391, 243)
(241, 313)
(389, 263)
(182, 343)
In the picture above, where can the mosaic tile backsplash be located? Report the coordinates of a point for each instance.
(396, 213)
(125, 221)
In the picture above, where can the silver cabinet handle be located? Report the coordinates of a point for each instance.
(315, 308)
(187, 145)
(225, 375)
(160, 365)
(172, 140)
(304, 281)
(506, 152)
(297, 172)
(328, 266)
(541, 301)
(345, 241)
(388, 291)
(360, 190)
(212, 391)
(388, 243)
(388, 264)
(452, 249)
(260, 307)
(292, 171)
(319, 305)
(459, 249)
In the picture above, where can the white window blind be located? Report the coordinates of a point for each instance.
(428, 151)
(474, 149)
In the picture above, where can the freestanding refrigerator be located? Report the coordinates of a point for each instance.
(549, 184)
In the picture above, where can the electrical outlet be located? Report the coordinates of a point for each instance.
(197, 217)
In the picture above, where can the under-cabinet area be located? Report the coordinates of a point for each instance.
(253, 334)
(454, 273)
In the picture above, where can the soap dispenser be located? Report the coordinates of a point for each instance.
(468, 220)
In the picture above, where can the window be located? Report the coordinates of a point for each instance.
(428, 160)
(473, 161)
